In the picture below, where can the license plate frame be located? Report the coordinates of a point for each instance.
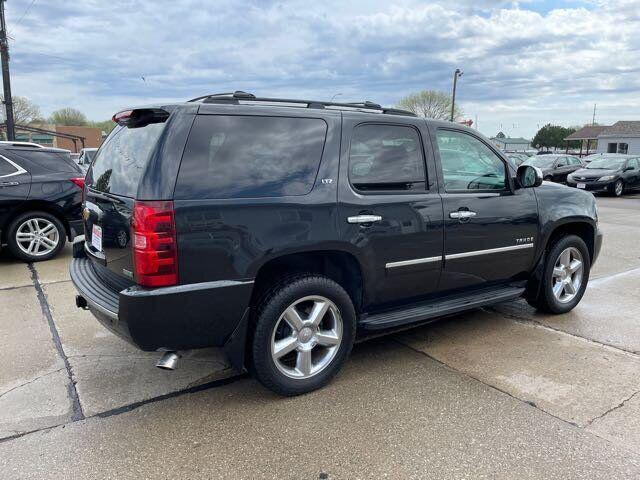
(96, 237)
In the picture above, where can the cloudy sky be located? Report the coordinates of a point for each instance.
(525, 63)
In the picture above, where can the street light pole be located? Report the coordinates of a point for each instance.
(456, 74)
(6, 81)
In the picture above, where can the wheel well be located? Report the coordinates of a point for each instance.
(582, 229)
(341, 267)
(35, 205)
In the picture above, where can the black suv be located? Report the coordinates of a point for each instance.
(284, 230)
(40, 200)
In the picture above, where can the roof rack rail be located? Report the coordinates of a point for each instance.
(237, 96)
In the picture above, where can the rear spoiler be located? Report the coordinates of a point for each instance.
(140, 117)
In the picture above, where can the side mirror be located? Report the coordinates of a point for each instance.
(529, 176)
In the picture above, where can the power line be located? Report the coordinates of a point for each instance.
(26, 10)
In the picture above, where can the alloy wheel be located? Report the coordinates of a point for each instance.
(619, 187)
(37, 237)
(306, 337)
(567, 274)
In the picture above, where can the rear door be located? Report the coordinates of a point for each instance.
(489, 227)
(15, 182)
(112, 185)
(389, 207)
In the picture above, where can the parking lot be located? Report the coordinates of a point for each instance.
(502, 392)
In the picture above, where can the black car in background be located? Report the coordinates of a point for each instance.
(284, 230)
(40, 201)
(612, 173)
(555, 167)
(517, 158)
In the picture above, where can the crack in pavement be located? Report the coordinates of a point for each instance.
(46, 311)
(493, 387)
(620, 405)
(537, 324)
(30, 381)
(132, 406)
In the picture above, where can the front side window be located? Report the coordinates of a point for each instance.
(249, 157)
(468, 164)
(386, 157)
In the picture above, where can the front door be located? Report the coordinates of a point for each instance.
(490, 227)
(561, 169)
(390, 211)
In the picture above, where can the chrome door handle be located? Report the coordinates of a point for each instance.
(462, 214)
(9, 184)
(364, 219)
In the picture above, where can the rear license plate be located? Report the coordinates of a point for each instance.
(581, 185)
(96, 237)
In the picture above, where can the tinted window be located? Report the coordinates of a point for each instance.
(468, 164)
(246, 156)
(48, 161)
(387, 157)
(574, 161)
(119, 163)
(6, 168)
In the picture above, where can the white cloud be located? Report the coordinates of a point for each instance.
(524, 65)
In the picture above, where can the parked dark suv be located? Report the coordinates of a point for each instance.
(284, 230)
(40, 200)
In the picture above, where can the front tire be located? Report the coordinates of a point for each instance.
(36, 236)
(565, 276)
(618, 188)
(304, 332)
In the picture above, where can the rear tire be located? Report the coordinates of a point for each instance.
(565, 276)
(304, 332)
(36, 236)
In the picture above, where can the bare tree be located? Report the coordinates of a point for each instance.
(68, 116)
(24, 111)
(430, 104)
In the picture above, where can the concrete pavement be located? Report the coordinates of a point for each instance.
(504, 392)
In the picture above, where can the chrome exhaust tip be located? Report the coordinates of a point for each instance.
(168, 361)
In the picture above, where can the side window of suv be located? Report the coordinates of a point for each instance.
(386, 157)
(6, 168)
(468, 164)
(250, 156)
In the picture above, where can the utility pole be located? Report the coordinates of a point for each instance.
(593, 122)
(456, 74)
(6, 80)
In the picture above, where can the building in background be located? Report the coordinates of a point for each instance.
(588, 137)
(621, 137)
(509, 144)
(91, 136)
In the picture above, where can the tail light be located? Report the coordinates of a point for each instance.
(79, 182)
(155, 252)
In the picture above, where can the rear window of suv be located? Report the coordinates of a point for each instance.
(250, 156)
(120, 161)
(47, 160)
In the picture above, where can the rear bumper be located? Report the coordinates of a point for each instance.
(172, 318)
